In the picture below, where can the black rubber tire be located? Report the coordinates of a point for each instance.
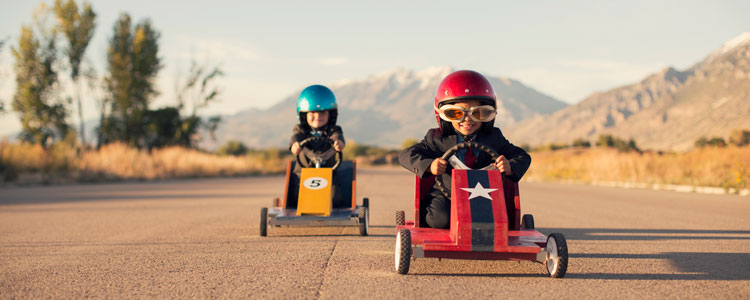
(263, 221)
(364, 220)
(400, 218)
(403, 251)
(366, 202)
(527, 222)
(561, 249)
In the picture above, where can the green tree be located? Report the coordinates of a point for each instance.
(579, 142)
(710, 142)
(556, 146)
(132, 65)
(235, 148)
(78, 28)
(716, 142)
(42, 115)
(701, 142)
(408, 143)
(197, 92)
(162, 127)
(2, 103)
(605, 140)
(200, 87)
(354, 149)
(611, 141)
(739, 137)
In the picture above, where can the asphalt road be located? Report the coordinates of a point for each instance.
(199, 239)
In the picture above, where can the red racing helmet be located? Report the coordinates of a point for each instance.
(463, 85)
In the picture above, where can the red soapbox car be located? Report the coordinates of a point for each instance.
(485, 222)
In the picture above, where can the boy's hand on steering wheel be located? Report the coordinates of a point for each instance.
(503, 165)
(295, 148)
(338, 145)
(438, 166)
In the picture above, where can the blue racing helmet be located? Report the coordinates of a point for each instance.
(316, 98)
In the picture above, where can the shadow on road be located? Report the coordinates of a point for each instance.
(605, 234)
(695, 265)
(122, 196)
(509, 275)
(691, 265)
(384, 226)
(331, 235)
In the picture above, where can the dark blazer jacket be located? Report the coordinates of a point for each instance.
(418, 157)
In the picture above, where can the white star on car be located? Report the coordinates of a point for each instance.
(479, 191)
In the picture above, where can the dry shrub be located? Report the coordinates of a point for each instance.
(19, 160)
(27, 163)
(121, 161)
(23, 156)
(723, 167)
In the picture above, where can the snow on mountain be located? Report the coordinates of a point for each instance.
(738, 41)
(667, 110)
(382, 109)
(735, 43)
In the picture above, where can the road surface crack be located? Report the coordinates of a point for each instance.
(325, 269)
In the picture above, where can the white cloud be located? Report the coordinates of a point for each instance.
(333, 61)
(221, 49)
(238, 93)
(573, 80)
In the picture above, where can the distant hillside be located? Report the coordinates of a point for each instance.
(667, 110)
(383, 109)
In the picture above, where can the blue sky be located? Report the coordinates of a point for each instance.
(269, 49)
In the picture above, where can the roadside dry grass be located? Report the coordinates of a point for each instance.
(727, 167)
(22, 163)
(26, 163)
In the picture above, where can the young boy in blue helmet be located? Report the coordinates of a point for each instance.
(317, 111)
(465, 108)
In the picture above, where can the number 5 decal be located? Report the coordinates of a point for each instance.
(315, 183)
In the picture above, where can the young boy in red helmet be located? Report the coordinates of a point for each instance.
(465, 108)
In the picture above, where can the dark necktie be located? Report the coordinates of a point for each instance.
(469, 158)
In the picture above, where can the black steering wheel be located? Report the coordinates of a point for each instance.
(446, 156)
(317, 158)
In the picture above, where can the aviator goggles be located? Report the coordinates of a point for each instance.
(455, 113)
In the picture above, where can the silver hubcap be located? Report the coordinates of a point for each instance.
(552, 258)
(398, 249)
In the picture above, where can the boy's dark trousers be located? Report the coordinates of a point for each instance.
(438, 210)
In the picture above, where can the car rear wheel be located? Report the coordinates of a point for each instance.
(400, 218)
(263, 221)
(403, 251)
(364, 221)
(557, 255)
(527, 222)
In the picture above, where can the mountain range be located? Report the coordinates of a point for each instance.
(383, 109)
(667, 110)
